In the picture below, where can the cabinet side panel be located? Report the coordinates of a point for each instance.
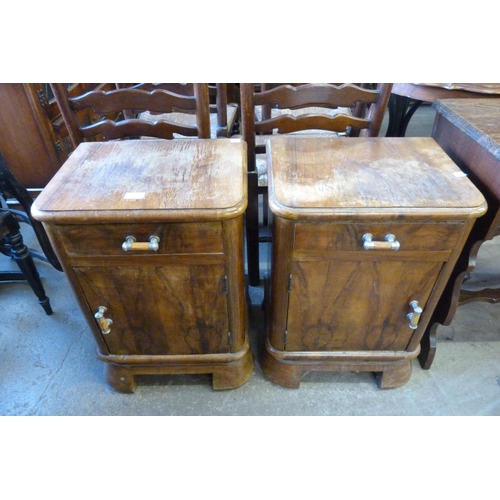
(283, 233)
(232, 231)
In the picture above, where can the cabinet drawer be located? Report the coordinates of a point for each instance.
(317, 237)
(174, 238)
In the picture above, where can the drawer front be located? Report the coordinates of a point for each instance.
(81, 240)
(328, 237)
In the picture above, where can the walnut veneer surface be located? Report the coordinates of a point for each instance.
(331, 303)
(175, 308)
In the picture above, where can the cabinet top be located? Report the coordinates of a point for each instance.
(181, 179)
(328, 177)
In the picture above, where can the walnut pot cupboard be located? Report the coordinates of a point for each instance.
(150, 234)
(365, 234)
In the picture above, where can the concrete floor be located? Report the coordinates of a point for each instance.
(48, 364)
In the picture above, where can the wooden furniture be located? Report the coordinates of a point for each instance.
(27, 138)
(12, 244)
(329, 107)
(33, 136)
(469, 131)
(366, 232)
(406, 98)
(223, 114)
(150, 234)
(12, 189)
(109, 103)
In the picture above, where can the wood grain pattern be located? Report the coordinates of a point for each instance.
(419, 237)
(363, 304)
(107, 239)
(332, 303)
(370, 175)
(159, 309)
(180, 308)
(478, 118)
(148, 179)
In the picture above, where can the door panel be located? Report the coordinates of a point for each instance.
(363, 304)
(157, 310)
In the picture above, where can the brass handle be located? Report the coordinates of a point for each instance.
(414, 316)
(104, 323)
(131, 243)
(390, 243)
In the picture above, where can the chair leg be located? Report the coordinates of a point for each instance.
(25, 262)
(9, 183)
(252, 232)
(11, 276)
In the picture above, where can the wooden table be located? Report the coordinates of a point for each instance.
(150, 234)
(365, 234)
(469, 131)
(406, 98)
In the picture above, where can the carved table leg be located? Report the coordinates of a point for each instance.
(428, 346)
(449, 300)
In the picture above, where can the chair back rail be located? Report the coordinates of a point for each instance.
(128, 101)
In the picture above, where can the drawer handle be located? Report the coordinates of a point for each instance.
(414, 316)
(131, 243)
(390, 243)
(104, 323)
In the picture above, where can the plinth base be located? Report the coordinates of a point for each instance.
(392, 369)
(228, 370)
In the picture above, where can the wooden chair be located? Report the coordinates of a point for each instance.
(12, 245)
(223, 114)
(120, 110)
(341, 109)
(12, 190)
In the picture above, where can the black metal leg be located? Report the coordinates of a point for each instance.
(400, 114)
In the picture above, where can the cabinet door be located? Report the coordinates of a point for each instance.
(157, 310)
(363, 304)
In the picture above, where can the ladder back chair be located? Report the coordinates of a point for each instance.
(120, 110)
(223, 113)
(346, 109)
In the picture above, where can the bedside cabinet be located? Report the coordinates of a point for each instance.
(365, 234)
(150, 234)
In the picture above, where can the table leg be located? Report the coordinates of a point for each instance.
(452, 296)
(400, 114)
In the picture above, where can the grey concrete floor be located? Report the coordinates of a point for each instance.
(48, 364)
